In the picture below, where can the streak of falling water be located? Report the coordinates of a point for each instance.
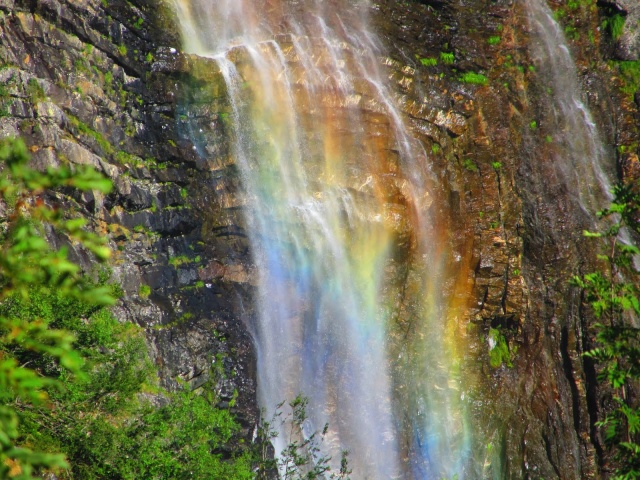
(580, 156)
(337, 191)
(581, 160)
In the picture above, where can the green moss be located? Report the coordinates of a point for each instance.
(615, 25)
(84, 129)
(144, 291)
(499, 349)
(474, 78)
(35, 91)
(447, 58)
(179, 260)
(108, 83)
(494, 40)
(470, 165)
(429, 62)
(124, 157)
(630, 74)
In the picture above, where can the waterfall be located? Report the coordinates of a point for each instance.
(572, 136)
(352, 256)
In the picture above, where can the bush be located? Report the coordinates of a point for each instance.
(614, 296)
(72, 376)
(33, 351)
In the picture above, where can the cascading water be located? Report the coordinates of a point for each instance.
(573, 137)
(352, 256)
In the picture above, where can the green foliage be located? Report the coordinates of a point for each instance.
(302, 458)
(108, 83)
(71, 375)
(447, 58)
(84, 129)
(35, 91)
(614, 25)
(498, 349)
(613, 294)
(182, 439)
(33, 350)
(474, 78)
(630, 75)
(144, 291)
(108, 432)
(470, 165)
(429, 61)
(126, 158)
(494, 40)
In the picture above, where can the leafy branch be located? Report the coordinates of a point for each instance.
(614, 294)
(29, 266)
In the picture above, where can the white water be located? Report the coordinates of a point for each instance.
(335, 184)
(580, 158)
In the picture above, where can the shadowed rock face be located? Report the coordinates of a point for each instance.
(89, 84)
(86, 83)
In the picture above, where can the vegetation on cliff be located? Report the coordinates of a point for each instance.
(78, 391)
(613, 292)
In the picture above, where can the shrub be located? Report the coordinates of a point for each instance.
(614, 296)
(34, 351)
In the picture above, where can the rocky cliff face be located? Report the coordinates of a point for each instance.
(526, 242)
(104, 83)
(86, 82)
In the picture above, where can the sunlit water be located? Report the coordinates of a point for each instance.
(351, 258)
(579, 158)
